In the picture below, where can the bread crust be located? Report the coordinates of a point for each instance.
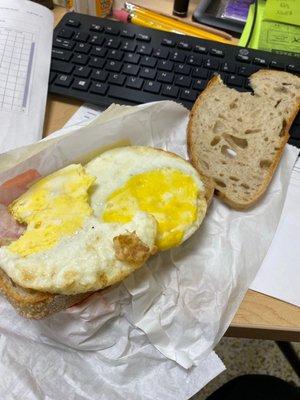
(193, 154)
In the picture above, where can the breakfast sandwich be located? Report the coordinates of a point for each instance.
(82, 229)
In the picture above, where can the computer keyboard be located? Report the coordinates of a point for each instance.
(100, 61)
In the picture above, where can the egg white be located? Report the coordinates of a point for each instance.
(80, 262)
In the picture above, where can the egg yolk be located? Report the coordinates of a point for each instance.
(52, 208)
(168, 194)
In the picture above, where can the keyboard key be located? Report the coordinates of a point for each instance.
(165, 65)
(194, 60)
(182, 69)
(81, 37)
(97, 40)
(235, 80)
(244, 58)
(293, 68)
(161, 53)
(260, 61)
(130, 95)
(73, 22)
(130, 69)
(144, 49)
(216, 52)
(111, 31)
(52, 77)
(295, 132)
(165, 77)
(143, 37)
(199, 84)
(97, 62)
(247, 70)
(148, 73)
(116, 79)
(81, 84)
(199, 73)
(168, 42)
(188, 94)
(134, 83)
(113, 66)
(184, 45)
(132, 58)
(228, 67)
(63, 80)
(82, 72)
(63, 55)
(183, 81)
(211, 64)
(177, 56)
(127, 34)
(152, 87)
(65, 33)
(96, 28)
(63, 44)
(99, 51)
(170, 91)
(128, 46)
(61, 66)
(113, 43)
(99, 75)
(80, 59)
(99, 88)
(277, 65)
(83, 48)
(200, 49)
(115, 55)
(148, 62)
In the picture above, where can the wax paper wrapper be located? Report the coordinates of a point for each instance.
(152, 336)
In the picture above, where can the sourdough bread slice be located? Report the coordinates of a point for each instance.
(237, 138)
(33, 304)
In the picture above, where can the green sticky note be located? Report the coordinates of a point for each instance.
(279, 38)
(286, 11)
(257, 26)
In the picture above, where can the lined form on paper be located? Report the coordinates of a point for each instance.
(25, 52)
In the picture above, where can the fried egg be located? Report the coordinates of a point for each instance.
(65, 247)
(137, 179)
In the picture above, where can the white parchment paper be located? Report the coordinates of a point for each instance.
(152, 336)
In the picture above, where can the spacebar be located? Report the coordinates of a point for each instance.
(132, 95)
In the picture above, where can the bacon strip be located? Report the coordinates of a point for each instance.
(10, 190)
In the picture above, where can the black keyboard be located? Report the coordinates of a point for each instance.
(100, 61)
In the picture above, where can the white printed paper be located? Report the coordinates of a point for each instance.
(25, 49)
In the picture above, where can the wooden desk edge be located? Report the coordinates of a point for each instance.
(289, 329)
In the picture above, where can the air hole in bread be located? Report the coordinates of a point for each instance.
(265, 164)
(278, 102)
(222, 116)
(280, 89)
(216, 99)
(221, 174)
(282, 132)
(227, 151)
(286, 84)
(219, 182)
(204, 164)
(240, 119)
(219, 127)
(250, 131)
(232, 105)
(215, 140)
(276, 148)
(266, 139)
(234, 178)
(233, 140)
(245, 186)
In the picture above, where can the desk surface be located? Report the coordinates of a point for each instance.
(259, 316)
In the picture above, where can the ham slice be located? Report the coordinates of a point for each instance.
(10, 190)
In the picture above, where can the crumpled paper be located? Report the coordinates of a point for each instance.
(181, 302)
